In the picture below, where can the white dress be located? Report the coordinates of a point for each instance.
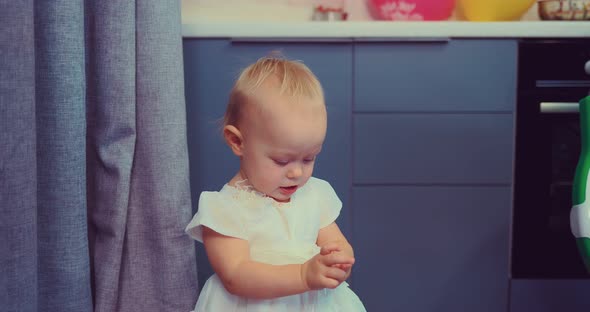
(278, 233)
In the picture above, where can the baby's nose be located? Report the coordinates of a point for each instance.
(295, 172)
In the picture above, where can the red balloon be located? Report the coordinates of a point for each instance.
(411, 10)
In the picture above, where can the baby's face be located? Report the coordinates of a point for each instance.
(282, 138)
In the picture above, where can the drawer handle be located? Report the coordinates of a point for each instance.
(238, 40)
(340, 40)
(559, 107)
(403, 40)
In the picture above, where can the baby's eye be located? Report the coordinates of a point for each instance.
(281, 162)
(308, 160)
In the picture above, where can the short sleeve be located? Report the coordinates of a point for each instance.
(218, 213)
(330, 204)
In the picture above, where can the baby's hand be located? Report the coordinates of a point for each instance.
(333, 248)
(321, 271)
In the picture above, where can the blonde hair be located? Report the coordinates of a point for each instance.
(294, 78)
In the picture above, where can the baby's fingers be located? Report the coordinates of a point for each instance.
(337, 258)
(331, 282)
(342, 266)
(329, 248)
(336, 274)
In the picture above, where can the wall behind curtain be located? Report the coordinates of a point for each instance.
(94, 188)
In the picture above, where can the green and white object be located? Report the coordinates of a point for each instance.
(580, 213)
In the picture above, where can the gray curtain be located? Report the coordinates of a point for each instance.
(94, 188)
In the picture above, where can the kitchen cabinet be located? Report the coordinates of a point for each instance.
(431, 248)
(419, 148)
(458, 75)
(432, 173)
(211, 67)
(431, 148)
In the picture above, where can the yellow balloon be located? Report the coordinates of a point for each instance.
(494, 10)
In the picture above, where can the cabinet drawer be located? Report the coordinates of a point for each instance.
(458, 75)
(426, 248)
(432, 148)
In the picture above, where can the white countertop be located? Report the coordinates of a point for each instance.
(385, 29)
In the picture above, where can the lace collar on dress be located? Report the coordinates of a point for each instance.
(244, 191)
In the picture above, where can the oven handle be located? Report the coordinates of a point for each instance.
(559, 107)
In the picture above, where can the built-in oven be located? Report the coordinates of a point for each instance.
(554, 75)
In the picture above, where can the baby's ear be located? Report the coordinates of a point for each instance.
(233, 138)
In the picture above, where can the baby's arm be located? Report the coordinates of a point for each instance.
(331, 237)
(230, 259)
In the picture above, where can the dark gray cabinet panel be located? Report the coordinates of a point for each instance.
(458, 75)
(550, 295)
(427, 144)
(432, 249)
(212, 65)
(433, 148)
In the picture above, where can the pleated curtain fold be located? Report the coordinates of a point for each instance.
(94, 185)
